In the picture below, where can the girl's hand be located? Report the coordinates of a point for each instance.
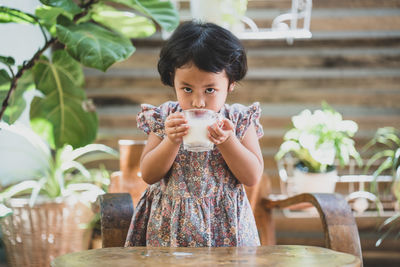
(175, 127)
(221, 131)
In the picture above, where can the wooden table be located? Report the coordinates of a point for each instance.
(303, 256)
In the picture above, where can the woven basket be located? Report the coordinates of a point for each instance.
(34, 236)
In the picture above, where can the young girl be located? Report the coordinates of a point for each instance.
(198, 198)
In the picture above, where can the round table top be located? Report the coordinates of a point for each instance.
(282, 255)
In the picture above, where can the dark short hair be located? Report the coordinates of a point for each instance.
(210, 47)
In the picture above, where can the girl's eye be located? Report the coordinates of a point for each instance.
(187, 90)
(210, 90)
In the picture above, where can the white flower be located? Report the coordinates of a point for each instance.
(303, 120)
(308, 141)
(324, 153)
(348, 126)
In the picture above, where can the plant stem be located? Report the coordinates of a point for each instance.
(21, 71)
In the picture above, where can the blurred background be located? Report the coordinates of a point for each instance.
(351, 61)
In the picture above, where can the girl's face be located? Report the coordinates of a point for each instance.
(200, 89)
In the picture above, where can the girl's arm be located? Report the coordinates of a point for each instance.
(244, 158)
(159, 154)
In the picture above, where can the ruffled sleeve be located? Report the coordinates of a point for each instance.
(151, 118)
(243, 116)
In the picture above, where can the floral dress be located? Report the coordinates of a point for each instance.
(199, 202)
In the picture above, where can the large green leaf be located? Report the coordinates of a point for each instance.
(16, 103)
(48, 17)
(163, 12)
(93, 45)
(126, 23)
(67, 5)
(10, 15)
(63, 104)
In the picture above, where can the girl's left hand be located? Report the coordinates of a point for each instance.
(220, 131)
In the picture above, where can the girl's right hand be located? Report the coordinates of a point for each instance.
(176, 127)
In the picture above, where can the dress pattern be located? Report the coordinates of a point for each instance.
(199, 202)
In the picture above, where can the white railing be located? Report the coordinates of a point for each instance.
(295, 24)
(292, 25)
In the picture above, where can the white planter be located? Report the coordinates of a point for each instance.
(305, 182)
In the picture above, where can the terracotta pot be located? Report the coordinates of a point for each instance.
(34, 236)
(128, 179)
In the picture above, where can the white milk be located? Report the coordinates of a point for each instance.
(197, 138)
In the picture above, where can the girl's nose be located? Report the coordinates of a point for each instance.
(198, 102)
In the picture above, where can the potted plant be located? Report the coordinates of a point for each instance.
(45, 195)
(386, 146)
(92, 33)
(316, 142)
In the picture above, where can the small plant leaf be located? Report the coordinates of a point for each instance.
(10, 15)
(377, 156)
(163, 12)
(16, 102)
(9, 61)
(48, 17)
(23, 154)
(126, 23)
(68, 5)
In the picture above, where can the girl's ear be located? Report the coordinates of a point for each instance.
(231, 87)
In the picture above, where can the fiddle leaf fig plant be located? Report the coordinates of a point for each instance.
(92, 33)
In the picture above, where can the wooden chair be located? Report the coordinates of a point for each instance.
(340, 229)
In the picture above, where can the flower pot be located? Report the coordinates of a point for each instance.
(307, 182)
(34, 236)
(129, 179)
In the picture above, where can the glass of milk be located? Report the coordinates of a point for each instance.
(198, 120)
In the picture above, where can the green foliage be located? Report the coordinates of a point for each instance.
(126, 23)
(9, 61)
(67, 5)
(162, 12)
(10, 15)
(318, 138)
(31, 168)
(93, 45)
(386, 144)
(17, 103)
(61, 82)
(93, 34)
